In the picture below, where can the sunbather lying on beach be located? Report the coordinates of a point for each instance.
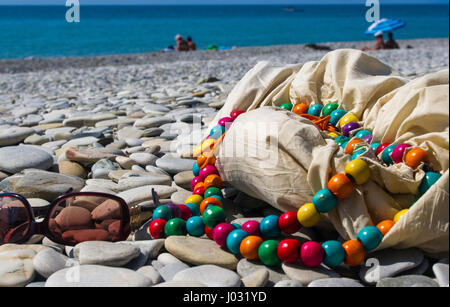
(379, 44)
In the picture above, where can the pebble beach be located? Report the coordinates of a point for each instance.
(125, 124)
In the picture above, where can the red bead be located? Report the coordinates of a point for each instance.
(185, 212)
(194, 182)
(221, 232)
(199, 191)
(288, 222)
(156, 228)
(236, 113)
(311, 254)
(288, 250)
(209, 232)
(252, 228)
(381, 147)
(224, 121)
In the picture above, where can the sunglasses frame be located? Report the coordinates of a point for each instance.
(42, 227)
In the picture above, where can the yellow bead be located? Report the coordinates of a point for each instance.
(204, 147)
(399, 215)
(359, 170)
(307, 215)
(334, 134)
(348, 118)
(194, 199)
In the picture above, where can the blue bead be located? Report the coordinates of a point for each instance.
(343, 145)
(194, 209)
(162, 212)
(336, 116)
(362, 133)
(315, 109)
(324, 201)
(216, 132)
(334, 253)
(386, 154)
(234, 240)
(195, 169)
(195, 226)
(427, 181)
(237, 226)
(375, 146)
(341, 139)
(269, 226)
(357, 153)
(219, 198)
(370, 237)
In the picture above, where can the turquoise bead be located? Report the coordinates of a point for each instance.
(236, 226)
(334, 253)
(341, 139)
(269, 227)
(375, 146)
(194, 209)
(219, 198)
(386, 154)
(195, 169)
(336, 116)
(427, 181)
(324, 201)
(234, 240)
(370, 237)
(343, 145)
(162, 212)
(357, 153)
(362, 133)
(212, 191)
(216, 132)
(315, 109)
(195, 226)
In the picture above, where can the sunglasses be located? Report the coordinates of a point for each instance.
(70, 219)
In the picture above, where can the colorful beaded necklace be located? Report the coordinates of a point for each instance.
(203, 211)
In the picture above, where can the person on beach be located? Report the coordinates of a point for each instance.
(182, 45)
(391, 43)
(379, 44)
(191, 44)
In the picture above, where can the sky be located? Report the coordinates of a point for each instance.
(174, 2)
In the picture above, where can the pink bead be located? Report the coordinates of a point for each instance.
(311, 254)
(252, 228)
(221, 232)
(236, 113)
(397, 153)
(185, 212)
(224, 120)
(195, 181)
(208, 170)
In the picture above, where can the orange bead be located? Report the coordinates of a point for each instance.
(249, 247)
(209, 201)
(385, 226)
(351, 145)
(198, 185)
(415, 156)
(301, 108)
(354, 252)
(205, 159)
(341, 186)
(213, 181)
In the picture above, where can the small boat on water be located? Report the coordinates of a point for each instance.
(292, 9)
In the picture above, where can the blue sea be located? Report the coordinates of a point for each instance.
(42, 31)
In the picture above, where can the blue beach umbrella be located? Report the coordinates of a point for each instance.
(385, 25)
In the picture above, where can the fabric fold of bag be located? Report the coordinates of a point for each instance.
(281, 158)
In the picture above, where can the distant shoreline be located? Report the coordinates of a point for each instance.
(47, 64)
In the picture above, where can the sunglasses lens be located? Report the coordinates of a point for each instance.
(76, 219)
(15, 220)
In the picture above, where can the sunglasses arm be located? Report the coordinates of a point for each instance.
(139, 215)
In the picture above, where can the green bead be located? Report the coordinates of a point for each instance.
(287, 106)
(329, 107)
(213, 191)
(267, 253)
(213, 215)
(175, 227)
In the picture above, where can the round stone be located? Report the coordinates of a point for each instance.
(267, 253)
(14, 159)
